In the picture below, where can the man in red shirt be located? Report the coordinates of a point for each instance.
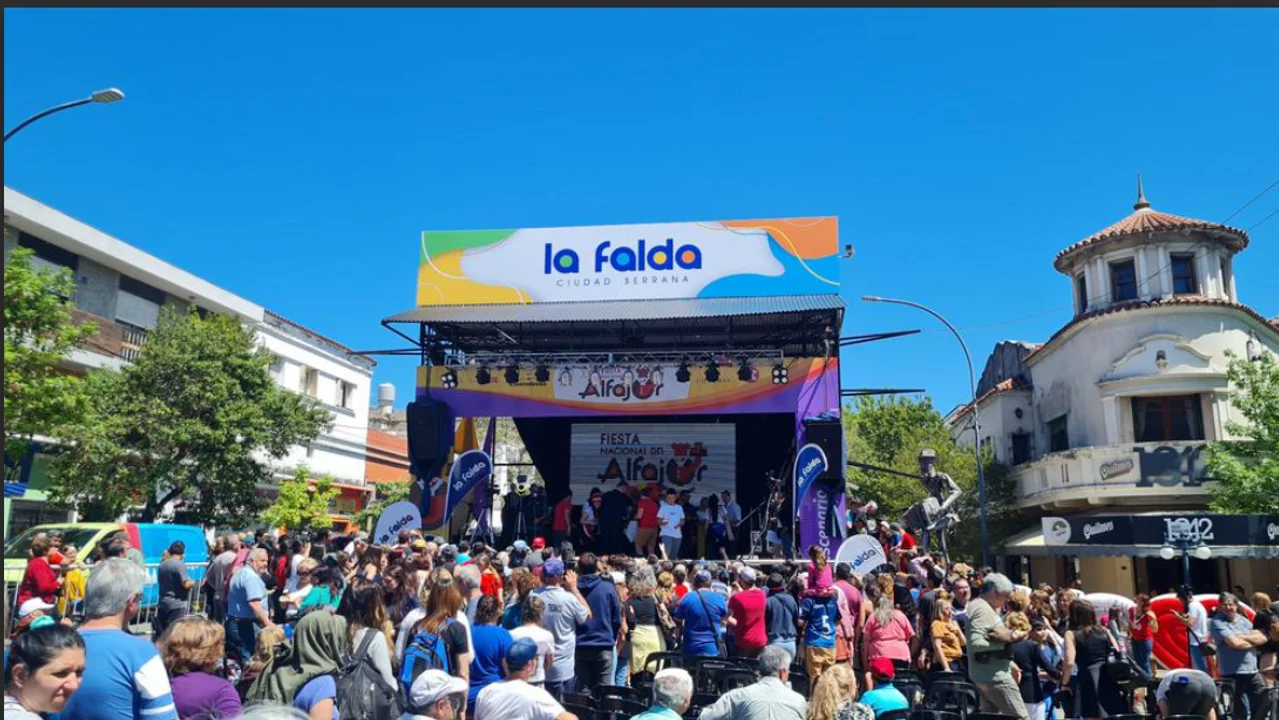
(649, 524)
(902, 546)
(560, 520)
(746, 615)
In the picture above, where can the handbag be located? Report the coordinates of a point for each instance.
(1118, 667)
(719, 641)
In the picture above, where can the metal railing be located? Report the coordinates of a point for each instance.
(73, 607)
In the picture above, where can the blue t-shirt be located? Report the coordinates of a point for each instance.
(702, 621)
(490, 644)
(124, 678)
(884, 698)
(246, 587)
(316, 690)
(820, 617)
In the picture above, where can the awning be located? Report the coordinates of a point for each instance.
(798, 325)
(1031, 543)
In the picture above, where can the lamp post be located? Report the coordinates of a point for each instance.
(1186, 545)
(972, 388)
(104, 97)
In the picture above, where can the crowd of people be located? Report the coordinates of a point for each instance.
(331, 628)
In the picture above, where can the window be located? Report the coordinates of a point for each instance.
(277, 368)
(138, 304)
(1081, 289)
(1170, 418)
(1021, 448)
(1058, 439)
(47, 254)
(309, 381)
(1184, 281)
(346, 394)
(1225, 277)
(1123, 281)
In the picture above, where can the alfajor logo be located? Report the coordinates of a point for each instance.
(624, 258)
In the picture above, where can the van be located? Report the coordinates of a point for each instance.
(151, 538)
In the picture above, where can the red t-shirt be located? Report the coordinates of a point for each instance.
(490, 584)
(680, 591)
(39, 580)
(650, 520)
(563, 511)
(1140, 625)
(747, 608)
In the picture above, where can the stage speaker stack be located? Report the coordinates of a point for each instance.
(430, 431)
(829, 436)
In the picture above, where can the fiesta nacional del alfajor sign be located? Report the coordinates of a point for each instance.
(731, 258)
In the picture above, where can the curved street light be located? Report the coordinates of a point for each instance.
(104, 97)
(972, 387)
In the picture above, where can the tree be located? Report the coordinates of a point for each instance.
(194, 422)
(302, 503)
(1247, 471)
(889, 433)
(40, 398)
(388, 493)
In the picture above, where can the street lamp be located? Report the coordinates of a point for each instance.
(1187, 546)
(104, 97)
(972, 387)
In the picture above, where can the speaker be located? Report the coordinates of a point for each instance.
(430, 430)
(829, 436)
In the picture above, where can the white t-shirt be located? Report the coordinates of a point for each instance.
(545, 641)
(732, 514)
(672, 514)
(516, 700)
(1199, 621)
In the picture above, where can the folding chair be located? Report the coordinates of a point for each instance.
(957, 697)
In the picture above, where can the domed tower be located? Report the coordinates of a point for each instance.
(1153, 256)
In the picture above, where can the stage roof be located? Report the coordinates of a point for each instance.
(795, 324)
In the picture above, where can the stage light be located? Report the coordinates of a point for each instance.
(512, 374)
(449, 379)
(542, 374)
(781, 375)
(712, 372)
(482, 376)
(681, 373)
(744, 370)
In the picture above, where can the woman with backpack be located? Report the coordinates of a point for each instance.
(439, 640)
(368, 618)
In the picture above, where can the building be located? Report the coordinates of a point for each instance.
(1107, 420)
(123, 289)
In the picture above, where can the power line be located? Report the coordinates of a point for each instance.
(1263, 220)
(1255, 198)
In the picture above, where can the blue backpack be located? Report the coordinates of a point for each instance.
(426, 651)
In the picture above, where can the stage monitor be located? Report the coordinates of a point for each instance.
(700, 457)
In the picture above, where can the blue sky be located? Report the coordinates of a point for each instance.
(293, 156)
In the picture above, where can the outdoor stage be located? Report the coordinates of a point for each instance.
(683, 355)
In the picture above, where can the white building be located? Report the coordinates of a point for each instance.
(1110, 415)
(122, 290)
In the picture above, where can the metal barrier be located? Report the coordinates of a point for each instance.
(72, 607)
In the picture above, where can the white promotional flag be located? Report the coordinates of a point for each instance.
(862, 552)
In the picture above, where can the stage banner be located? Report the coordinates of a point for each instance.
(863, 552)
(729, 258)
(470, 469)
(636, 388)
(810, 463)
(699, 457)
(394, 519)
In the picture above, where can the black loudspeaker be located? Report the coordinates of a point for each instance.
(430, 431)
(829, 436)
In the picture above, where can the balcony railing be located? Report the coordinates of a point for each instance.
(1150, 472)
(112, 338)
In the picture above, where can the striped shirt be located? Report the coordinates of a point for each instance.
(124, 678)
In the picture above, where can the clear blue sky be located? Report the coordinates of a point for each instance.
(294, 156)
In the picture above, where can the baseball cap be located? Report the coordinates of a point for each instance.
(32, 605)
(882, 668)
(747, 574)
(434, 685)
(519, 545)
(448, 554)
(539, 543)
(702, 577)
(553, 568)
(521, 653)
(419, 544)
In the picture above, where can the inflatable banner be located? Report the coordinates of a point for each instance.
(396, 518)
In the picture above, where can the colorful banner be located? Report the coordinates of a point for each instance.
(735, 258)
(810, 463)
(394, 519)
(470, 469)
(699, 457)
(637, 389)
(862, 552)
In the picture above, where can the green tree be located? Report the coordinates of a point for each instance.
(302, 502)
(889, 432)
(40, 398)
(388, 493)
(195, 421)
(1247, 471)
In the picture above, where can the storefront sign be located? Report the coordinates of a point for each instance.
(1171, 466)
(1158, 530)
(743, 258)
(699, 457)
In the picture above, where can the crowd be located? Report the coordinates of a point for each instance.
(331, 628)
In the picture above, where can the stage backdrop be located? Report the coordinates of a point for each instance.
(700, 457)
(730, 258)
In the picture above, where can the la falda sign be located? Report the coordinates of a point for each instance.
(470, 470)
(817, 501)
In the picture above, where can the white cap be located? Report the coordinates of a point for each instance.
(33, 605)
(748, 574)
(432, 686)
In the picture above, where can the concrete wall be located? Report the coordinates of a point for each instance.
(97, 288)
(1108, 574)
